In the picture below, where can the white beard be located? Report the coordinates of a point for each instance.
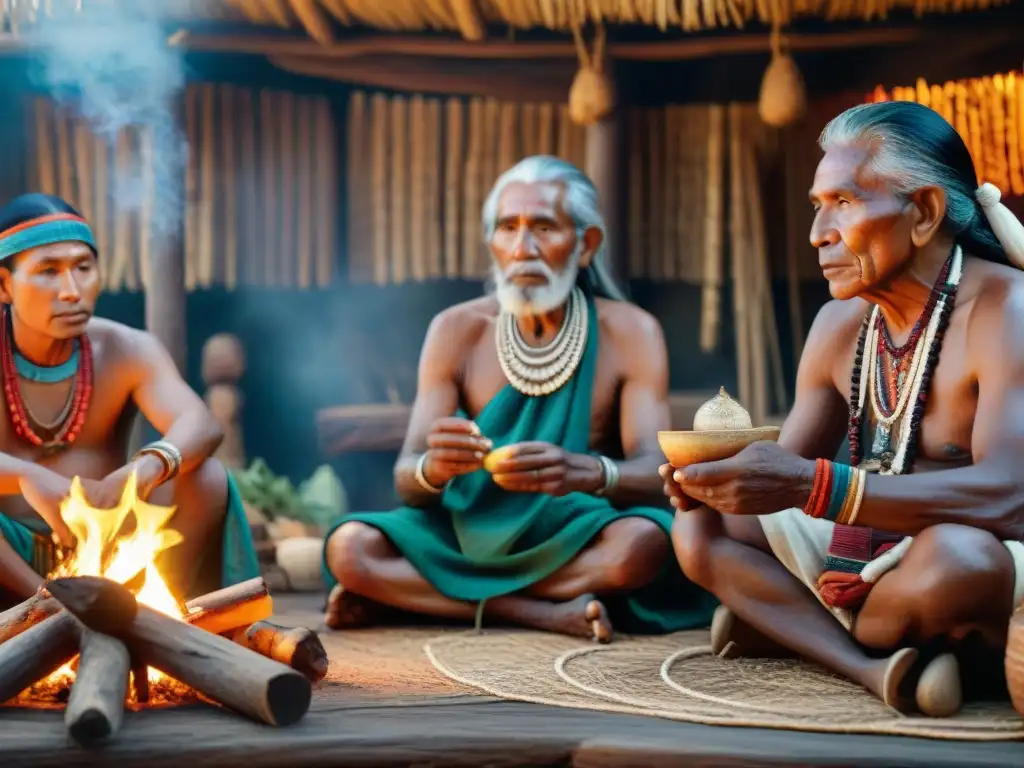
(524, 300)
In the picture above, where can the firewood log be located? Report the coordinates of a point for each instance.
(228, 596)
(110, 607)
(96, 707)
(26, 615)
(140, 683)
(298, 647)
(231, 608)
(37, 652)
(214, 666)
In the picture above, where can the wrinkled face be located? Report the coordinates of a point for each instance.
(53, 289)
(861, 229)
(537, 254)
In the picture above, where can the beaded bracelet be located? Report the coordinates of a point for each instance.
(837, 493)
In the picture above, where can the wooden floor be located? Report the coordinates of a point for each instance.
(358, 727)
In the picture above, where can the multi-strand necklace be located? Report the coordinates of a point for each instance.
(69, 422)
(899, 378)
(537, 371)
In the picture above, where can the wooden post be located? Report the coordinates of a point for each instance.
(165, 276)
(165, 291)
(165, 297)
(605, 165)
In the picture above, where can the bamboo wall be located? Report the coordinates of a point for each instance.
(260, 187)
(988, 113)
(419, 170)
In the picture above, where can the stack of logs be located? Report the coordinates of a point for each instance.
(224, 650)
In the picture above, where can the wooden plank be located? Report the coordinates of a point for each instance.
(353, 428)
(455, 734)
(351, 727)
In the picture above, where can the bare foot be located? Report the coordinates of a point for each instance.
(733, 638)
(889, 681)
(583, 617)
(939, 692)
(347, 610)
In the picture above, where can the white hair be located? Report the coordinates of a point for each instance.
(580, 201)
(913, 147)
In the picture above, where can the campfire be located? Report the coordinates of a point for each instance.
(106, 632)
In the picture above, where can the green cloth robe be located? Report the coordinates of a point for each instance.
(236, 559)
(482, 542)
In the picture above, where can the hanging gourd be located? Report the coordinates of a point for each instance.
(783, 99)
(592, 95)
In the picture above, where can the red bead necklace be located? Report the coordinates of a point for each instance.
(889, 376)
(80, 398)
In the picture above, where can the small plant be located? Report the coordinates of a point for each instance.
(316, 502)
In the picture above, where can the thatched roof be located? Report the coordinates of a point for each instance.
(470, 17)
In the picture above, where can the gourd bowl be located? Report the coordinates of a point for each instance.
(685, 447)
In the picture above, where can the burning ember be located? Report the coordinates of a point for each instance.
(107, 617)
(102, 551)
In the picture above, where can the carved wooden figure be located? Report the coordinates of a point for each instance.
(223, 366)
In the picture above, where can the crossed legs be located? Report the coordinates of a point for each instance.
(953, 581)
(625, 555)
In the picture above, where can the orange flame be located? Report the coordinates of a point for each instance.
(101, 550)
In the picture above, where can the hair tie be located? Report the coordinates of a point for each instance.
(988, 195)
(1005, 226)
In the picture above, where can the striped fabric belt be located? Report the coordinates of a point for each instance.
(851, 549)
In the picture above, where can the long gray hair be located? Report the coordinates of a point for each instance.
(580, 202)
(913, 147)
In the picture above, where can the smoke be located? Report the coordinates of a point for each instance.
(111, 65)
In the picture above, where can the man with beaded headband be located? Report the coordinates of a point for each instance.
(72, 387)
(892, 568)
(564, 528)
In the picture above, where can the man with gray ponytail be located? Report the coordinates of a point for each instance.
(529, 469)
(914, 541)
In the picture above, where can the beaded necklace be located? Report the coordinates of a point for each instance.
(69, 423)
(538, 371)
(912, 392)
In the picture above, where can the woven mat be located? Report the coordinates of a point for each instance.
(382, 666)
(677, 677)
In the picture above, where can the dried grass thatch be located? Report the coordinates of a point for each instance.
(988, 113)
(470, 16)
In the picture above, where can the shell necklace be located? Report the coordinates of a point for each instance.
(537, 371)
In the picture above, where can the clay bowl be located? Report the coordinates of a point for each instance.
(686, 447)
(1015, 661)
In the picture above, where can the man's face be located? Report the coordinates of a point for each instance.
(861, 229)
(537, 254)
(53, 289)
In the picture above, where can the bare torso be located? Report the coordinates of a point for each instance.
(481, 377)
(948, 422)
(459, 369)
(102, 445)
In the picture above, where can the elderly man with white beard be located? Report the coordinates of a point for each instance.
(529, 471)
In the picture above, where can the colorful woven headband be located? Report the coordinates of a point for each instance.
(45, 230)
